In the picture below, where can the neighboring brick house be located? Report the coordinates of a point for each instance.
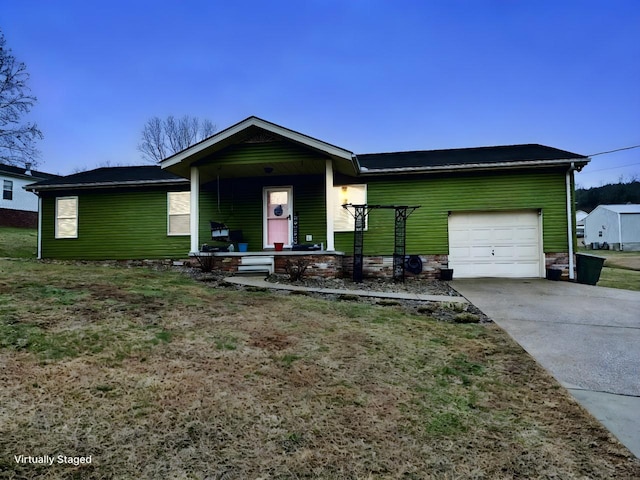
(18, 207)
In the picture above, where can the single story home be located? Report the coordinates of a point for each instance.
(19, 208)
(283, 196)
(615, 227)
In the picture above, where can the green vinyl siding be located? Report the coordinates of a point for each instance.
(113, 225)
(427, 227)
(248, 160)
(132, 223)
(239, 206)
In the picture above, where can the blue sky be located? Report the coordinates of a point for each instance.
(369, 76)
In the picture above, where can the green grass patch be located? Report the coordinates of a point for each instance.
(117, 342)
(288, 359)
(226, 343)
(18, 242)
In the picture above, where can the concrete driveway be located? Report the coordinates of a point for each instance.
(587, 337)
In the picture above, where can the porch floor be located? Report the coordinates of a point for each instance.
(279, 253)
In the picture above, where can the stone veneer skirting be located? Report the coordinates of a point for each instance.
(559, 261)
(331, 265)
(319, 264)
(382, 266)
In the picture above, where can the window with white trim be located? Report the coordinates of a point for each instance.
(67, 217)
(7, 190)
(179, 213)
(343, 220)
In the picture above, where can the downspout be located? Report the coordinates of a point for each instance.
(39, 227)
(194, 211)
(570, 220)
(620, 231)
(328, 185)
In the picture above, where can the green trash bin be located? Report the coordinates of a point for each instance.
(588, 268)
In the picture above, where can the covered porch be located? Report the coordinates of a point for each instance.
(260, 187)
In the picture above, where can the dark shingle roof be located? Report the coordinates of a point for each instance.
(461, 157)
(111, 177)
(20, 171)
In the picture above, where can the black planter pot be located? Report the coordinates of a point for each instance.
(446, 274)
(554, 274)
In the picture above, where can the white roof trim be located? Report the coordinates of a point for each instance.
(268, 126)
(114, 184)
(466, 166)
(623, 208)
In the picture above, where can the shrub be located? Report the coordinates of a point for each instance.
(296, 269)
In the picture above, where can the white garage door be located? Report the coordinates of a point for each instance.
(505, 244)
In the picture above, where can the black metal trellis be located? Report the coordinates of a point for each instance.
(360, 213)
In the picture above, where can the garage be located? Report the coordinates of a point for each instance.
(495, 244)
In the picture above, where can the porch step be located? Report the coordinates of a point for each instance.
(252, 264)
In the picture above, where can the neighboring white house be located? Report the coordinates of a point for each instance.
(580, 216)
(613, 226)
(18, 207)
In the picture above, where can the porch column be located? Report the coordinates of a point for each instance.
(194, 209)
(328, 183)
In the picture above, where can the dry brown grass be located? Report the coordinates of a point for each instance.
(156, 376)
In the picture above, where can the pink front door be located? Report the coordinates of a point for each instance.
(278, 215)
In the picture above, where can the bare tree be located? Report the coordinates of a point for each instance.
(17, 140)
(163, 138)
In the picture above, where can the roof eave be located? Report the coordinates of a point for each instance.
(91, 185)
(35, 178)
(578, 163)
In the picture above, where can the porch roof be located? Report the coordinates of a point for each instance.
(255, 130)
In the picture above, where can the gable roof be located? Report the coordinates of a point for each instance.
(21, 172)
(622, 208)
(110, 177)
(479, 158)
(180, 162)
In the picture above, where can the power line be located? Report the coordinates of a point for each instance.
(611, 168)
(616, 150)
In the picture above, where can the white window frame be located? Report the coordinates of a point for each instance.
(340, 214)
(74, 217)
(186, 193)
(5, 184)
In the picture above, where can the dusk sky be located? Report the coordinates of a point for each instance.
(369, 76)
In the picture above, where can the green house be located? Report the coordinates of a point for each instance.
(257, 195)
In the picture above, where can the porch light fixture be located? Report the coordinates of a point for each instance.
(344, 195)
(268, 170)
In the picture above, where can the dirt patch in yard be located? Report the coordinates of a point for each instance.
(630, 261)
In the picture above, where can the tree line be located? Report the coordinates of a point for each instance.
(612, 194)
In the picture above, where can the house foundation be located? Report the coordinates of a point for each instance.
(318, 264)
(381, 266)
(558, 261)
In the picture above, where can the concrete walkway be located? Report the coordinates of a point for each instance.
(587, 337)
(260, 283)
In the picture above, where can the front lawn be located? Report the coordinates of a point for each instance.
(154, 375)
